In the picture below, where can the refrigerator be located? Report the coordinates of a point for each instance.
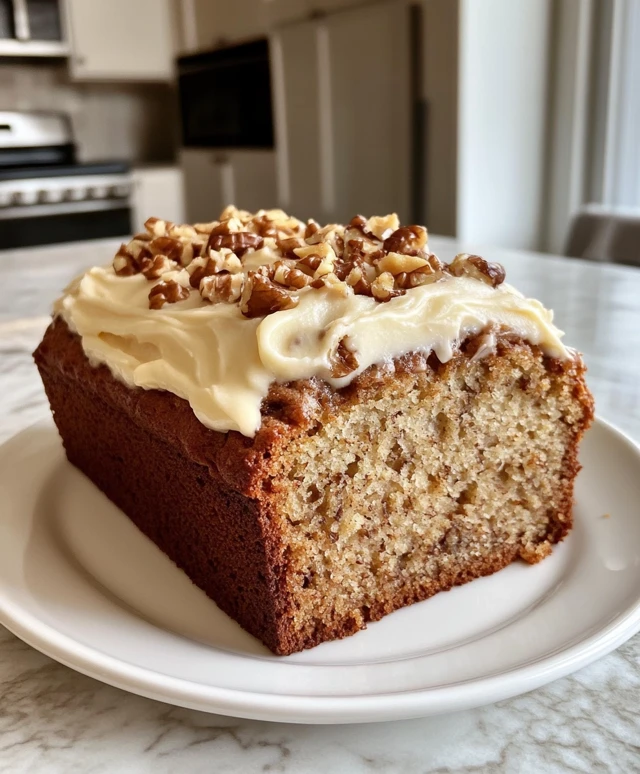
(349, 121)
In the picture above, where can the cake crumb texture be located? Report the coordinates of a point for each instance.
(429, 480)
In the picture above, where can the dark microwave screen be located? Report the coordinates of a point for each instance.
(225, 99)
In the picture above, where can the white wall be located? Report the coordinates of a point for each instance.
(127, 121)
(502, 103)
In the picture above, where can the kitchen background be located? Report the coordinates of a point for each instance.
(500, 123)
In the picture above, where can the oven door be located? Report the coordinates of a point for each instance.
(225, 97)
(43, 224)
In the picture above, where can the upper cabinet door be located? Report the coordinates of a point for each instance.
(294, 75)
(121, 39)
(215, 22)
(343, 112)
(365, 109)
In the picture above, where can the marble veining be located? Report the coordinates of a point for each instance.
(53, 719)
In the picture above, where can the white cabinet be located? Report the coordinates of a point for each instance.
(214, 179)
(121, 39)
(369, 103)
(208, 23)
(296, 86)
(283, 11)
(345, 113)
(158, 192)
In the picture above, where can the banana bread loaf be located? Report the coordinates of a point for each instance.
(318, 425)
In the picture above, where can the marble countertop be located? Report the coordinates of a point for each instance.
(55, 720)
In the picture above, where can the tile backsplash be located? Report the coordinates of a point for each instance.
(134, 122)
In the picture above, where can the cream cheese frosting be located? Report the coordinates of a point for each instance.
(223, 362)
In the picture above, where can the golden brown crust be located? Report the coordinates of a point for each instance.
(207, 499)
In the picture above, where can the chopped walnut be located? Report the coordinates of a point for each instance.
(375, 229)
(287, 246)
(332, 282)
(383, 287)
(396, 263)
(311, 228)
(332, 234)
(373, 256)
(343, 361)
(217, 261)
(239, 243)
(319, 258)
(359, 279)
(183, 232)
(124, 263)
(383, 226)
(167, 292)
(289, 276)
(361, 249)
(138, 250)
(158, 227)
(154, 268)
(233, 212)
(168, 246)
(359, 223)
(474, 266)
(423, 276)
(222, 287)
(261, 296)
(408, 240)
(230, 226)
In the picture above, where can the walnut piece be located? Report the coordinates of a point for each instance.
(332, 282)
(358, 280)
(319, 258)
(167, 292)
(288, 245)
(474, 266)
(369, 256)
(383, 287)
(383, 226)
(408, 240)
(124, 263)
(168, 246)
(158, 227)
(239, 243)
(154, 268)
(203, 266)
(311, 228)
(261, 296)
(343, 361)
(396, 263)
(289, 276)
(222, 287)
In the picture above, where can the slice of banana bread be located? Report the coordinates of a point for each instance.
(360, 491)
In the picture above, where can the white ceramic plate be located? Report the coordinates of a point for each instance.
(81, 584)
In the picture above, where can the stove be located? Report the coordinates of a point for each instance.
(46, 196)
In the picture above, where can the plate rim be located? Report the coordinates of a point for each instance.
(325, 709)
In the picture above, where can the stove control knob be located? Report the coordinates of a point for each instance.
(25, 198)
(98, 192)
(52, 195)
(120, 191)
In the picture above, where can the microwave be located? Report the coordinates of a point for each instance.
(225, 97)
